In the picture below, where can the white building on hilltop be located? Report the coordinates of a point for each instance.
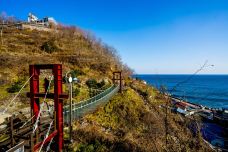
(32, 18)
(46, 21)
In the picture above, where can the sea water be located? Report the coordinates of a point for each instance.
(207, 90)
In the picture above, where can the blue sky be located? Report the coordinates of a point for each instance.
(152, 36)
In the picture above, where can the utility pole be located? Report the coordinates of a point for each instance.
(166, 124)
(166, 117)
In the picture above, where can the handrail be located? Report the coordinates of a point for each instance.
(79, 109)
(95, 97)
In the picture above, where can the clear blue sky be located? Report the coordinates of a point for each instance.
(152, 36)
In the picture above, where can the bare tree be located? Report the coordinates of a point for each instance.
(1, 34)
(3, 17)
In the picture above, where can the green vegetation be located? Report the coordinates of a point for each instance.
(75, 92)
(49, 46)
(134, 121)
(76, 73)
(15, 87)
(96, 146)
(92, 83)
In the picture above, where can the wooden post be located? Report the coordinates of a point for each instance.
(11, 131)
(37, 135)
(54, 120)
(31, 142)
(121, 82)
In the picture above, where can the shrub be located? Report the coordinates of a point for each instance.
(65, 79)
(93, 146)
(16, 86)
(101, 84)
(76, 73)
(76, 91)
(49, 46)
(91, 83)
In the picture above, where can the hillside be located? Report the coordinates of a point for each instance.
(136, 121)
(131, 121)
(67, 45)
(74, 48)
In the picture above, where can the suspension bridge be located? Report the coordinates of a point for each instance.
(45, 132)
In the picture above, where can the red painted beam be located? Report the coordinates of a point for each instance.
(49, 95)
(37, 146)
(44, 66)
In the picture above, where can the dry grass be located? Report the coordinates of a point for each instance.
(133, 122)
(70, 46)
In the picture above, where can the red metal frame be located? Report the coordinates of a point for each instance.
(57, 96)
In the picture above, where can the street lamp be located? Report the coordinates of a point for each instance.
(70, 80)
(70, 91)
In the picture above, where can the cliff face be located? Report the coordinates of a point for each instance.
(136, 121)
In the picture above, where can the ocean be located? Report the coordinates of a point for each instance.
(206, 90)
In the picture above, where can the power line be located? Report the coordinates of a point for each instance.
(191, 76)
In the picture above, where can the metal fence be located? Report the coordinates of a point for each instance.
(89, 105)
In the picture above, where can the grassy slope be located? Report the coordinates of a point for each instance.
(70, 46)
(133, 121)
(23, 47)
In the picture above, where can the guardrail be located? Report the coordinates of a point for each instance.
(89, 105)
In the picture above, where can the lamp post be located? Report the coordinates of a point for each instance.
(70, 91)
(70, 80)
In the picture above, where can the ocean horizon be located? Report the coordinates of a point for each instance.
(209, 90)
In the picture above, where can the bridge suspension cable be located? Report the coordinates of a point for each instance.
(27, 121)
(46, 136)
(49, 145)
(16, 95)
(41, 107)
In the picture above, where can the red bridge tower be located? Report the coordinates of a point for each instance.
(58, 97)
